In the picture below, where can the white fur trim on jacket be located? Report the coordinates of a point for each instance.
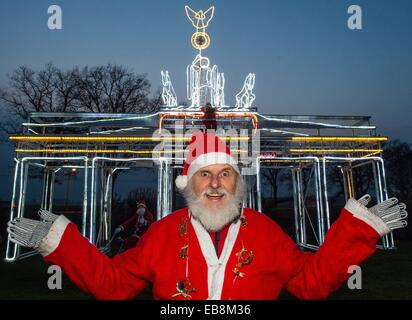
(215, 266)
(362, 213)
(52, 240)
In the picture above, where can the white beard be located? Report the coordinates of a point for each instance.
(209, 218)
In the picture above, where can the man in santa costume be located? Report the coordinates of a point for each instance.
(214, 249)
(138, 224)
(209, 118)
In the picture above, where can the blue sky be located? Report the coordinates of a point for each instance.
(305, 58)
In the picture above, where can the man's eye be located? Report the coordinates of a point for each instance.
(226, 173)
(205, 174)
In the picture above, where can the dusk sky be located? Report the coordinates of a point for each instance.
(307, 61)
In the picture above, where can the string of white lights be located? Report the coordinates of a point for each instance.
(327, 125)
(245, 97)
(204, 84)
(59, 124)
(284, 132)
(118, 130)
(168, 94)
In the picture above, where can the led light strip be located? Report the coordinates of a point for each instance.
(119, 130)
(283, 160)
(62, 124)
(335, 150)
(329, 139)
(372, 154)
(112, 151)
(109, 139)
(326, 125)
(284, 132)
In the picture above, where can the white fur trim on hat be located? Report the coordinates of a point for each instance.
(210, 158)
(181, 182)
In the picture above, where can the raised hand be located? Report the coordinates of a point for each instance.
(29, 232)
(390, 211)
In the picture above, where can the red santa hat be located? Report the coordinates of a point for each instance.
(205, 149)
(141, 203)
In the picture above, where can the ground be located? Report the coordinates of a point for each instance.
(385, 275)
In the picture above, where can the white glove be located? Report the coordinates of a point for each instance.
(28, 232)
(390, 211)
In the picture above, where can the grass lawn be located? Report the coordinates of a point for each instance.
(385, 275)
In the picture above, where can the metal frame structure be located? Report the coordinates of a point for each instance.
(379, 179)
(105, 143)
(302, 218)
(318, 167)
(17, 210)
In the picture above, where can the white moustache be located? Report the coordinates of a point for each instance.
(215, 192)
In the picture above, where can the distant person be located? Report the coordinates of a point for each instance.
(135, 226)
(214, 248)
(209, 118)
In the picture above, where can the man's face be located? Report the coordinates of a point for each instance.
(140, 211)
(212, 183)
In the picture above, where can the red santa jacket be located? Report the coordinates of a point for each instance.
(133, 222)
(262, 261)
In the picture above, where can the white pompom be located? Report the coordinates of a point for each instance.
(181, 182)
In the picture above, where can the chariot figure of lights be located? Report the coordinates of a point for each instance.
(315, 152)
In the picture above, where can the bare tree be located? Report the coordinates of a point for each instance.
(155, 102)
(66, 89)
(114, 89)
(398, 165)
(29, 91)
(110, 88)
(271, 176)
(362, 178)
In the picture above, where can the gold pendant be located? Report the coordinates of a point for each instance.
(183, 251)
(183, 227)
(243, 221)
(244, 257)
(238, 273)
(184, 289)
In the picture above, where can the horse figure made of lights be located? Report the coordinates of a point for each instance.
(168, 95)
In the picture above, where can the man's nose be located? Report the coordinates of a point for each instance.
(215, 181)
